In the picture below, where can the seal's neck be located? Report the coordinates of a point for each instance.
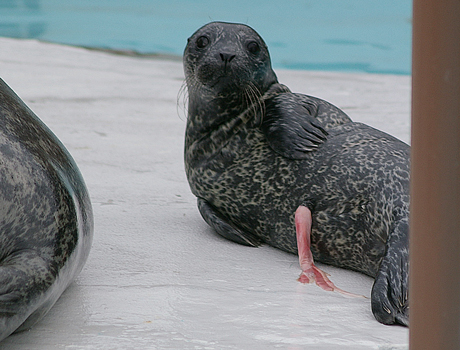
(212, 122)
(207, 112)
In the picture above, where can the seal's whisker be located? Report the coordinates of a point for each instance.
(255, 102)
(182, 100)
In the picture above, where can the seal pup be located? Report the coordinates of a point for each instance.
(293, 171)
(46, 220)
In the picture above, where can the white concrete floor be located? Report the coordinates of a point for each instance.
(158, 277)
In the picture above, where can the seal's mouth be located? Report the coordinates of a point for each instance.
(225, 81)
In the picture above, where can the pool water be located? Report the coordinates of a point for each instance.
(335, 35)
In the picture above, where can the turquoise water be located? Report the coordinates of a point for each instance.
(335, 35)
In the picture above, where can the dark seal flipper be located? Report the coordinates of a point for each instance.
(225, 229)
(291, 132)
(296, 124)
(46, 222)
(390, 292)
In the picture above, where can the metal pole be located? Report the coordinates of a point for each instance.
(435, 177)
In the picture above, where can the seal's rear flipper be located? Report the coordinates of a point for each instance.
(311, 273)
(390, 292)
(225, 229)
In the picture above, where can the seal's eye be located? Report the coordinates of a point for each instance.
(253, 47)
(202, 42)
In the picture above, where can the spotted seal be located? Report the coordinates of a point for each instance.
(293, 171)
(46, 221)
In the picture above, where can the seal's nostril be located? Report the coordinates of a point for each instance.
(227, 57)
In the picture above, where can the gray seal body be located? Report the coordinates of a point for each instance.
(255, 151)
(46, 221)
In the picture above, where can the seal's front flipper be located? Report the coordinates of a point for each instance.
(290, 126)
(311, 273)
(225, 229)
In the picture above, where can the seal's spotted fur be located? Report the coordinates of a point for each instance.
(255, 152)
(46, 220)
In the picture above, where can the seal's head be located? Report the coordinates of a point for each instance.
(225, 57)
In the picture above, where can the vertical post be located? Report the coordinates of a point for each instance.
(435, 179)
